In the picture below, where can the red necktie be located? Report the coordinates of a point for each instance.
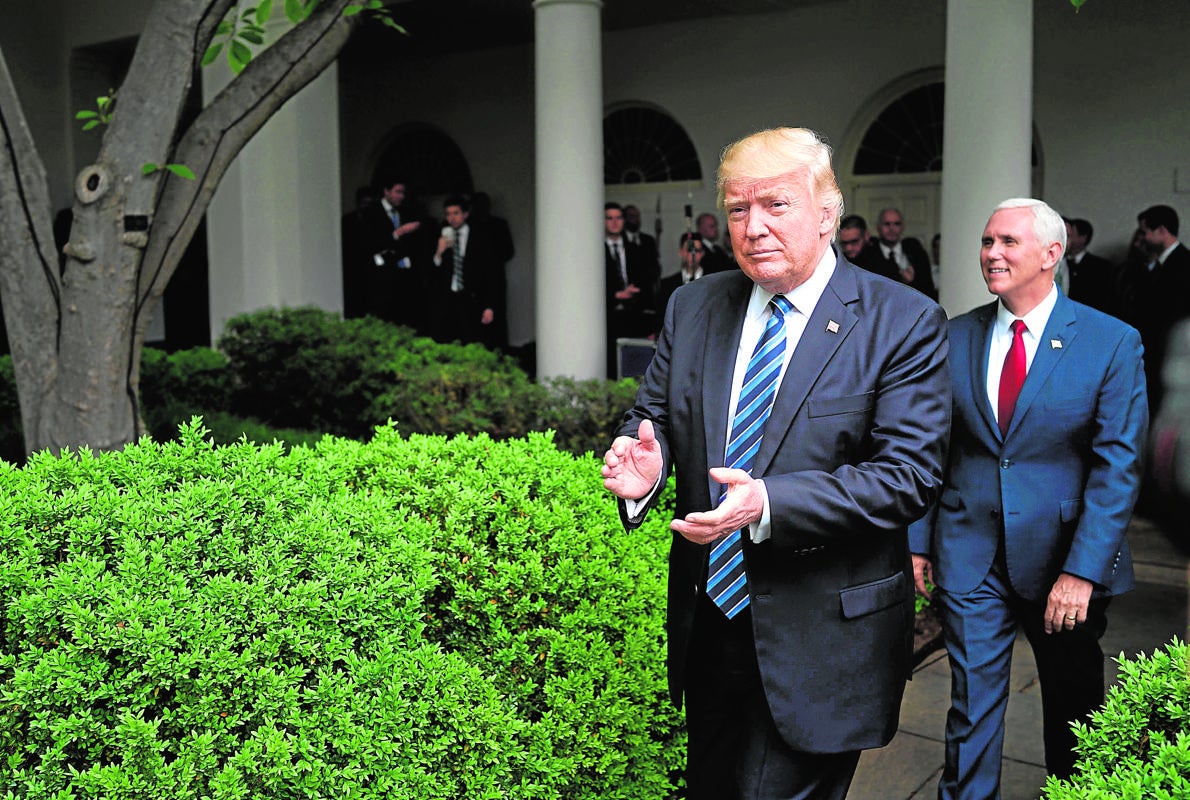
(1012, 376)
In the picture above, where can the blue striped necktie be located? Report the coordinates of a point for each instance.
(727, 584)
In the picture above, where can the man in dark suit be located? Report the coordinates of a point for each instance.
(690, 255)
(796, 661)
(495, 336)
(906, 257)
(1042, 473)
(1162, 293)
(394, 247)
(467, 270)
(853, 241)
(1092, 279)
(630, 282)
(634, 235)
(715, 255)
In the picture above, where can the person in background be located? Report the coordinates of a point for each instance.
(904, 255)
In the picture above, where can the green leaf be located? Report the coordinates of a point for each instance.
(85, 114)
(212, 53)
(181, 170)
(375, 4)
(351, 11)
(252, 36)
(225, 28)
(237, 66)
(294, 11)
(92, 124)
(1077, 4)
(242, 52)
(148, 168)
(389, 22)
(264, 11)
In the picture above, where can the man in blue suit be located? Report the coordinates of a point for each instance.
(798, 661)
(1042, 472)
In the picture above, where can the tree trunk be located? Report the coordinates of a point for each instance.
(77, 339)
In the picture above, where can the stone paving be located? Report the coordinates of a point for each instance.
(1142, 620)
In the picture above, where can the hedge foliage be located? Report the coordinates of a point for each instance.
(1137, 746)
(414, 617)
(294, 374)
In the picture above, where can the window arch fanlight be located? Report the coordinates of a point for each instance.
(644, 145)
(906, 137)
(429, 161)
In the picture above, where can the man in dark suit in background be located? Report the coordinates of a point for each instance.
(495, 335)
(1162, 292)
(853, 241)
(906, 257)
(634, 235)
(395, 247)
(790, 597)
(1042, 473)
(715, 255)
(1092, 279)
(467, 269)
(630, 285)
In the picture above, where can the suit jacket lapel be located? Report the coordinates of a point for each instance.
(1055, 340)
(979, 347)
(828, 327)
(725, 322)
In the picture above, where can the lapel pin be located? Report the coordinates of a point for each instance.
(1055, 344)
(832, 327)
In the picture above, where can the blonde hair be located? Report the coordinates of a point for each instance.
(776, 152)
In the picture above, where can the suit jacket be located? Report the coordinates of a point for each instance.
(1161, 299)
(1063, 480)
(632, 317)
(1093, 283)
(395, 288)
(483, 267)
(851, 455)
(716, 258)
(915, 254)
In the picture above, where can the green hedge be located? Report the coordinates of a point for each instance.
(406, 618)
(1137, 746)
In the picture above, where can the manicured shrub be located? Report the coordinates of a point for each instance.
(306, 368)
(406, 618)
(176, 386)
(1137, 746)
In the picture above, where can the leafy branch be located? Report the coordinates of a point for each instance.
(102, 115)
(378, 11)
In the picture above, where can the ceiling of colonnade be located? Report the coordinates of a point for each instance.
(456, 25)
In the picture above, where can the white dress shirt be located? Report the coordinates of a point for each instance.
(1035, 322)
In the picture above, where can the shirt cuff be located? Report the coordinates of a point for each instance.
(635, 507)
(763, 530)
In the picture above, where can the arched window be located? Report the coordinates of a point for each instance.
(906, 137)
(644, 145)
(429, 161)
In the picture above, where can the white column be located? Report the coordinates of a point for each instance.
(571, 328)
(987, 133)
(273, 235)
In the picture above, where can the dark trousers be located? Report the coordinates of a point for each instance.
(980, 628)
(735, 751)
(457, 318)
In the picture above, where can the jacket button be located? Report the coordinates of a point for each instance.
(1005, 464)
(995, 513)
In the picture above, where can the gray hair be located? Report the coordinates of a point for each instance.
(1048, 225)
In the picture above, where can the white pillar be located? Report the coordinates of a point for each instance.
(571, 324)
(273, 226)
(987, 133)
